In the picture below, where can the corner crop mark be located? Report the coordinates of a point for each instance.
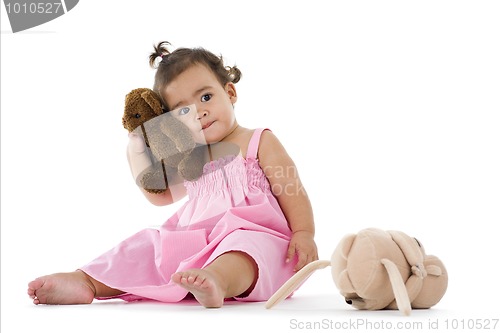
(25, 14)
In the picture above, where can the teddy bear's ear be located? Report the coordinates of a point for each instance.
(410, 247)
(414, 255)
(153, 101)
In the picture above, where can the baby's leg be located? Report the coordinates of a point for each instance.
(68, 288)
(231, 274)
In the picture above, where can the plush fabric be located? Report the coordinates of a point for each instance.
(376, 269)
(169, 142)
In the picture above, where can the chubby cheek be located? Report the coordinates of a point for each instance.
(199, 138)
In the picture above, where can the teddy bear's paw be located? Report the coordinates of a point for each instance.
(153, 180)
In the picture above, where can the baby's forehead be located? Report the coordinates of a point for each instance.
(190, 82)
(197, 71)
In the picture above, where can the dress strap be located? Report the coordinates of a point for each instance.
(253, 145)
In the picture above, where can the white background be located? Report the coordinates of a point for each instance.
(390, 109)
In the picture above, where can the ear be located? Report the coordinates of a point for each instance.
(295, 281)
(153, 101)
(410, 248)
(415, 258)
(230, 89)
(398, 287)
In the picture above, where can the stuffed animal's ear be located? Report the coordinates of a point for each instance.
(410, 248)
(295, 281)
(153, 101)
(415, 257)
(398, 286)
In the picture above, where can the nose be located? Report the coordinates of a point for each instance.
(202, 113)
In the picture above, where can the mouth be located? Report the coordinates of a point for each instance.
(207, 125)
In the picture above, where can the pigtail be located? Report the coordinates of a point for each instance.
(160, 51)
(233, 73)
(169, 65)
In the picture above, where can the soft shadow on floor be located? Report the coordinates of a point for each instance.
(310, 312)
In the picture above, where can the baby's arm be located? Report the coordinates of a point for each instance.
(139, 160)
(292, 197)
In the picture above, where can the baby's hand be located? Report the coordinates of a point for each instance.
(136, 144)
(137, 155)
(302, 244)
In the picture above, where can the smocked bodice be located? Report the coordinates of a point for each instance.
(230, 173)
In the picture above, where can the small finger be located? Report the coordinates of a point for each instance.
(290, 253)
(301, 262)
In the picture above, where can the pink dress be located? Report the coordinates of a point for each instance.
(230, 208)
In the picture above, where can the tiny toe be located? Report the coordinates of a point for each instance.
(35, 284)
(176, 277)
(205, 284)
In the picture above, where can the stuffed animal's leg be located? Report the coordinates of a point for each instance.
(295, 281)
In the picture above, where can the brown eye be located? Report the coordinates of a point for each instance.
(137, 116)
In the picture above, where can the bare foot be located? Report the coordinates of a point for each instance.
(203, 285)
(62, 288)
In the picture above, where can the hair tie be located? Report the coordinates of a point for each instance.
(157, 61)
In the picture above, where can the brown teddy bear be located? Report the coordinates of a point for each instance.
(170, 147)
(377, 269)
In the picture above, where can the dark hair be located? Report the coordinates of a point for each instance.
(176, 62)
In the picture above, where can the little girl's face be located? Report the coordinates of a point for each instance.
(198, 99)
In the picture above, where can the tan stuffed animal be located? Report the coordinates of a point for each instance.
(377, 269)
(170, 145)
